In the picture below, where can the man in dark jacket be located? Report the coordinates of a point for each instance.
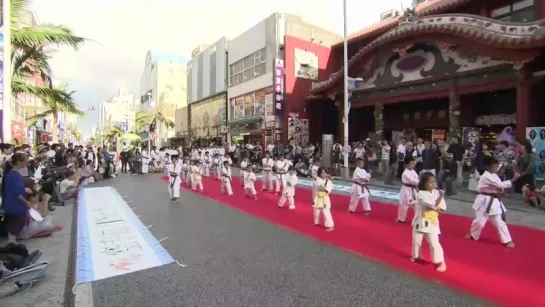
(458, 152)
(429, 159)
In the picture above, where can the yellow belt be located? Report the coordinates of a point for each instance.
(431, 216)
(321, 200)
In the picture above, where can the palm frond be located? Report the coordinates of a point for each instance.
(45, 35)
(36, 117)
(29, 61)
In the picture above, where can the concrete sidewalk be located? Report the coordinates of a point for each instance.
(49, 292)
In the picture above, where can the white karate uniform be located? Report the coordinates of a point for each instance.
(249, 183)
(217, 168)
(490, 208)
(268, 164)
(196, 177)
(185, 172)
(174, 180)
(157, 159)
(145, 162)
(360, 193)
(323, 205)
(314, 175)
(407, 194)
(226, 180)
(289, 191)
(426, 226)
(206, 165)
(243, 166)
(281, 171)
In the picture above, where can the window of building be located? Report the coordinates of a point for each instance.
(248, 68)
(519, 11)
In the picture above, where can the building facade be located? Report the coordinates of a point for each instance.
(118, 111)
(207, 92)
(181, 122)
(163, 88)
(454, 64)
(263, 98)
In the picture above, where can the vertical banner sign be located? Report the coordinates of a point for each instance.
(536, 136)
(471, 135)
(279, 86)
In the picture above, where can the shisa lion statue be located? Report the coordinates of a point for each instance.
(410, 14)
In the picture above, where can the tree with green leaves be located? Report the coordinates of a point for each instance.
(52, 107)
(154, 118)
(32, 48)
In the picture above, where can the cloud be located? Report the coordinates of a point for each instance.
(122, 31)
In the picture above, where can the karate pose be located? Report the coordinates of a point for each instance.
(430, 203)
(174, 169)
(249, 182)
(185, 170)
(322, 203)
(207, 161)
(360, 191)
(268, 164)
(156, 158)
(243, 168)
(226, 179)
(196, 180)
(217, 166)
(314, 174)
(407, 194)
(145, 162)
(488, 205)
(281, 166)
(289, 192)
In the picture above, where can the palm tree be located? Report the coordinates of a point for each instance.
(32, 47)
(113, 133)
(152, 117)
(73, 130)
(53, 107)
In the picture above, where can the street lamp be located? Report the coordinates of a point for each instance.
(149, 128)
(350, 84)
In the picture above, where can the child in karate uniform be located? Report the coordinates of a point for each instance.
(207, 160)
(488, 205)
(281, 166)
(430, 202)
(360, 191)
(314, 174)
(174, 169)
(407, 194)
(243, 168)
(322, 203)
(249, 182)
(196, 181)
(185, 171)
(267, 164)
(217, 167)
(289, 192)
(226, 179)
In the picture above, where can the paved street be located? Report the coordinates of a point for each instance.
(236, 260)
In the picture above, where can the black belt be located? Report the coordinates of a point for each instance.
(413, 189)
(491, 201)
(364, 186)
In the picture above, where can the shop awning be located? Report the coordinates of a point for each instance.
(247, 121)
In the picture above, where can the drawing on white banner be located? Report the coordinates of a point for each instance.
(111, 239)
(297, 128)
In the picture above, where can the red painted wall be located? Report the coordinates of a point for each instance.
(297, 89)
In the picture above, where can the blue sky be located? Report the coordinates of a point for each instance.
(122, 31)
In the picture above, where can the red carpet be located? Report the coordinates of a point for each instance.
(486, 269)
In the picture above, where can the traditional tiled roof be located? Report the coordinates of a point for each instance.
(422, 9)
(486, 31)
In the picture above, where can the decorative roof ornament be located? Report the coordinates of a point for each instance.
(409, 17)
